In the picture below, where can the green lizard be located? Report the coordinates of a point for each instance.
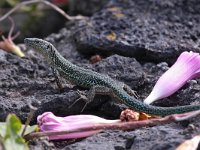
(96, 82)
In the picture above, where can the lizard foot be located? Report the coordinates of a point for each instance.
(82, 97)
(130, 91)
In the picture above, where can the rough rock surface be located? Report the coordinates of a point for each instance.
(165, 137)
(87, 8)
(30, 80)
(152, 30)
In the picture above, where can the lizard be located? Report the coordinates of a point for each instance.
(98, 83)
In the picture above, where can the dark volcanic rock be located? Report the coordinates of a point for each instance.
(165, 137)
(88, 7)
(41, 144)
(150, 30)
(124, 69)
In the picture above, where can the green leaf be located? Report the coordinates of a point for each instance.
(13, 124)
(2, 128)
(1, 143)
(29, 129)
(10, 133)
(12, 139)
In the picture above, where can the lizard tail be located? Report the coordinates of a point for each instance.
(149, 109)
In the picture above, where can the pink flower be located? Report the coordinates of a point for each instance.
(8, 45)
(185, 68)
(49, 122)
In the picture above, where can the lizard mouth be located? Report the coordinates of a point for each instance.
(27, 41)
(31, 42)
(39, 45)
(35, 43)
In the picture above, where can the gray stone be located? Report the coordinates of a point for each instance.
(166, 137)
(149, 30)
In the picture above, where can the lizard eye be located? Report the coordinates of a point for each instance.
(48, 46)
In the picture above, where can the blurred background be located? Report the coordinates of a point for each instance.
(41, 20)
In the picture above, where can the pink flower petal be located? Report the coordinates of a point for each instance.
(185, 68)
(49, 122)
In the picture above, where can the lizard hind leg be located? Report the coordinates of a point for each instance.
(97, 90)
(82, 96)
(130, 91)
(100, 90)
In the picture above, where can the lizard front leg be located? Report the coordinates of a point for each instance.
(57, 78)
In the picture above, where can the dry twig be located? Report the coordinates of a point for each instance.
(18, 6)
(30, 116)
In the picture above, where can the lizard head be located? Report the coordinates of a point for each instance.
(44, 47)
